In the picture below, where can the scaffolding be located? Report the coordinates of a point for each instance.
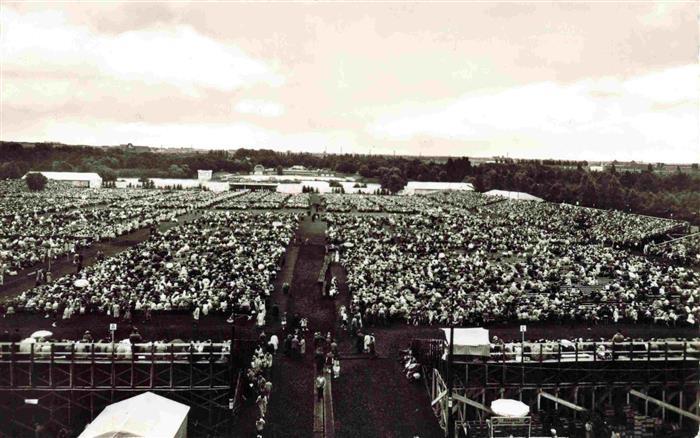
(62, 386)
(661, 376)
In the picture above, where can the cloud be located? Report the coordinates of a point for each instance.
(45, 42)
(652, 116)
(260, 108)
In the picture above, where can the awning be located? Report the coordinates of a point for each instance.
(470, 341)
(145, 415)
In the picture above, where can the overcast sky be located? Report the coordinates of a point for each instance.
(596, 81)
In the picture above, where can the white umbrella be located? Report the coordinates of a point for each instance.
(506, 407)
(41, 334)
(82, 282)
(566, 343)
(348, 244)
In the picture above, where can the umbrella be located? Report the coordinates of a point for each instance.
(348, 244)
(28, 341)
(566, 343)
(41, 334)
(506, 407)
(82, 282)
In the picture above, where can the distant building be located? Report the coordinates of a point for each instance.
(517, 196)
(258, 170)
(596, 168)
(301, 170)
(424, 187)
(204, 175)
(76, 179)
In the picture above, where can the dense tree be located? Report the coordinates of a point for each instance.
(364, 171)
(10, 171)
(36, 181)
(556, 180)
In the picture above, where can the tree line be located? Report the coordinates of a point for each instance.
(650, 191)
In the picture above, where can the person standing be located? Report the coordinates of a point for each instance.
(262, 404)
(260, 426)
(320, 385)
(195, 319)
(336, 367)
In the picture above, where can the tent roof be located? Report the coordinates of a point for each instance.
(436, 185)
(472, 341)
(145, 415)
(519, 196)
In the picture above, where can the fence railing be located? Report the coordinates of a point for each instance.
(429, 351)
(83, 352)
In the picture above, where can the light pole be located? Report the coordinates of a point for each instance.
(450, 377)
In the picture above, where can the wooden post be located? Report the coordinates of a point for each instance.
(71, 367)
(153, 365)
(92, 369)
(12, 365)
(172, 360)
(31, 365)
(51, 366)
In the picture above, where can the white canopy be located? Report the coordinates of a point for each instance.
(518, 196)
(470, 341)
(506, 407)
(145, 415)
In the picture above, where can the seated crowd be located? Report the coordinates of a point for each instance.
(515, 261)
(263, 200)
(30, 236)
(218, 263)
(684, 251)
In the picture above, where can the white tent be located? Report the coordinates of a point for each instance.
(145, 415)
(423, 187)
(518, 196)
(470, 341)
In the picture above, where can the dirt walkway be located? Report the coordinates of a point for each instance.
(372, 398)
(291, 411)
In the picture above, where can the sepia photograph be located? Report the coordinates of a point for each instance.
(350, 219)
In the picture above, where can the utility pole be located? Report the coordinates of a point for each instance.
(450, 377)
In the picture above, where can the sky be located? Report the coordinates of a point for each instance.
(569, 80)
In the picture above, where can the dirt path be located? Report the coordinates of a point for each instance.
(291, 411)
(372, 398)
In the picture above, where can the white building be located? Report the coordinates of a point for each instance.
(424, 187)
(258, 170)
(517, 196)
(204, 175)
(77, 179)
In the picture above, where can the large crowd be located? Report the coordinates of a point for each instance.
(204, 266)
(511, 260)
(59, 222)
(684, 251)
(264, 200)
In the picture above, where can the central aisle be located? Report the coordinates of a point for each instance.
(292, 404)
